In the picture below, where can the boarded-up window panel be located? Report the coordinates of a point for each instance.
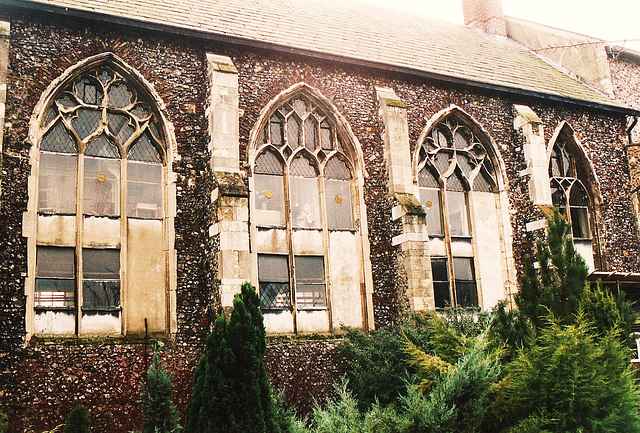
(57, 183)
(144, 190)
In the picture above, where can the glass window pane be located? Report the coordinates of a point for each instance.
(305, 202)
(337, 169)
(55, 262)
(276, 130)
(310, 287)
(302, 166)
(338, 200)
(273, 268)
(101, 186)
(430, 200)
(101, 264)
(144, 190)
(143, 150)
(293, 132)
(273, 274)
(55, 293)
(58, 139)
(427, 179)
(466, 291)
(86, 122)
(102, 147)
(441, 293)
(269, 200)
(580, 222)
(458, 217)
(100, 294)
(57, 183)
(326, 137)
(310, 133)
(268, 163)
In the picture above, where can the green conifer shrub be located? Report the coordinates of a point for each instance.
(78, 421)
(159, 413)
(231, 391)
(571, 380)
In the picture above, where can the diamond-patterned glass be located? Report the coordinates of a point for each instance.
(426, 179)
(302, 167)
(105, 76)
(144, 150)
(276, 128)
(442, 161)
(463, 163)
(310, 134)
(275, 296)
(268, 163)
(300, 107)
(119, 127)
(326, 138)
(58, 139)
(578, 195)
(454, 183)
(337, 169)
(66, 101)
(101, 147)
(119, 96)
(53, 112)
(482, 182)
(461, 139)
(293, 132)
(141, 111)
(89, 92)
(87, 122)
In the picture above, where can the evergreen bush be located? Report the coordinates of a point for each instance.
(159, 413)
(231, 391)
(78, 421)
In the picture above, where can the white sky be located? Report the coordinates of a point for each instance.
(612, 20)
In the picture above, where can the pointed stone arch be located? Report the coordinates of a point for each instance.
(487, 209)
(142, 203)
(586, 174)
(345, 286)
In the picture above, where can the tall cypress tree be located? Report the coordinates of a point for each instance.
(231, 391)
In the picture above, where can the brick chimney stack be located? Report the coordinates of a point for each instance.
(485, 15)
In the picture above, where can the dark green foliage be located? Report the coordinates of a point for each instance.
(159, 413)
(458, 399)
(571, 380)
(375, 363)
(231, 391)
(509, 331)
(78, 421)
(557, 286)
(4, 421)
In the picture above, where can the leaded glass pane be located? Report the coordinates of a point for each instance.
(268, 163)
(482, 182)
(458, 214)
(273, 274)
(89, 92)
(119, 127)
(578, 195)
(310, 134)
(302, 166)
(141, 111)
(276, 126)
(337, 169)
(310, 287)
(101, 147)
(58, 139)
(461, 139)
(269, 200)
(427, 179)
(144, 150)
(557, 195)
(53, 112)
(144, 190)
(455, 183)
(326, 137)
(119, 96)
(442, 161)
(300, 107)
(430, 200)
(293, 132)
(338, 202)
(57, 183)
(101, 186)
(86, 122)
(305, 202)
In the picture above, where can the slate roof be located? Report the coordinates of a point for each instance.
(351, 31)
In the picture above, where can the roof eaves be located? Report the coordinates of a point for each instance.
(256, 43)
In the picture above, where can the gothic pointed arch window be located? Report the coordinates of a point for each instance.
(453, 170)
(100, 206)
(303, 221)
(568, 192)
